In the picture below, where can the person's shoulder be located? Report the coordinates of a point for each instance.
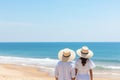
(59, 62)
(71, 64)
(91, 63)
(77, 60)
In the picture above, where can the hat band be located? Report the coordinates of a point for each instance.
(84, 53)
(66, 56)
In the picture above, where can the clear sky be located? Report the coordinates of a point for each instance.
(59, 20)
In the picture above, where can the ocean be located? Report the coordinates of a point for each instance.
(43, 55)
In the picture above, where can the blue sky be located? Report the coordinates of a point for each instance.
(59, 21)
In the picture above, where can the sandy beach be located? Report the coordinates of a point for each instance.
(16, 72)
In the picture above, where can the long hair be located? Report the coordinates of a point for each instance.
(83, 60)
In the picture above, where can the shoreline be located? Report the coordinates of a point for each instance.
(17, 72)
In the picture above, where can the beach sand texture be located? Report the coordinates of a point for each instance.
(16, 72)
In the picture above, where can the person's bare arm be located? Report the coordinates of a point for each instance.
(76, 71)
(73, 78)
(91, 74)
(56, 78)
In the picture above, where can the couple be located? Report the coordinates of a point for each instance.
(82, 70)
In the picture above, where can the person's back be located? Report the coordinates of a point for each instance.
(64, 69)
(83, 70)
(84, 66)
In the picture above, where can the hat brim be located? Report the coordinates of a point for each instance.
(89, 55)
(68, 59)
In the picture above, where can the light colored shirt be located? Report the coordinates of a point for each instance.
(64, 70)
(82, 73)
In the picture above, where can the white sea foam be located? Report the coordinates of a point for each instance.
(110, 67)
(45, 64)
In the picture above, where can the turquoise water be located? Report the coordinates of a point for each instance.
(44, 54)
(102, 51)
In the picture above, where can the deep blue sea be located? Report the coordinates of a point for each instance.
(44, 54)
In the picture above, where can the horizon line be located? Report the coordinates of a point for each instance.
(65, 42)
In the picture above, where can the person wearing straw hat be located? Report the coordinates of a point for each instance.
(64, 69)
(84, 65)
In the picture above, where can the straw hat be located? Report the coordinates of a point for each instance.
(85, 52)
(66, 55)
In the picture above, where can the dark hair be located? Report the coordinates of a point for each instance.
(83, 60)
